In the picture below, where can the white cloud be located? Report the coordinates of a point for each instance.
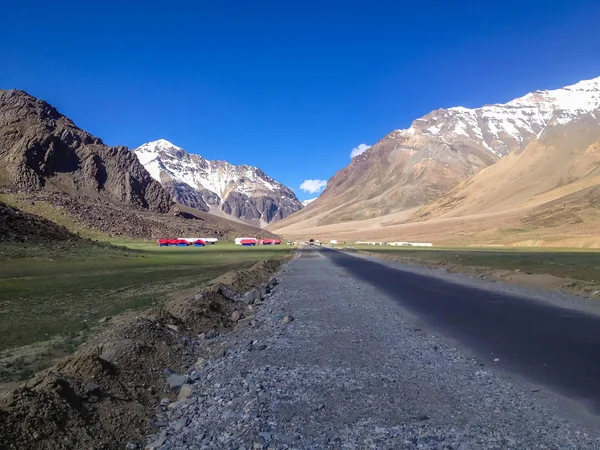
(313, 186)
(359, 150)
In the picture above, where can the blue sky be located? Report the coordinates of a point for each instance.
(289, 86)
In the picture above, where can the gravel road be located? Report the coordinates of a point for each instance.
(353, 369)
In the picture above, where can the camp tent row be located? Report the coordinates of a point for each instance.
(184, 242)
(180, 243)
(206, 240)
(252, 242)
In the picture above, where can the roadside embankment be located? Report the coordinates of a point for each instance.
(104, 395)
(573, 272)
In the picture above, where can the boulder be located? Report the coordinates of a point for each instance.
(251, 296)
(185, 392)
(175, 381)
(229, 293)
(264, 290)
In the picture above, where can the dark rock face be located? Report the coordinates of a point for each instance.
(240, 206)
(40, 149)
(181, 193)
(265, 207)
(210, 197)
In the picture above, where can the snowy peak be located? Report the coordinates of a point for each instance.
(579, 97)
(308, 202)
(502, 128)
(243, 191)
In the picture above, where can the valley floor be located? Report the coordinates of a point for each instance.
(53, 296)
(357, 352)
(518, 228)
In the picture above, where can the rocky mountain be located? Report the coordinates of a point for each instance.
(40, 149)
(244, 192)
(412, 167)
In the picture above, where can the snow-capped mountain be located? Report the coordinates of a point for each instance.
(501, 128)
(244, 192)
(308, 202)
(411, 167)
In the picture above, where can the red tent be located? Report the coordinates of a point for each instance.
(199, 243)
(247, 242)
(277, 241)
(162, 242)
(267, 241)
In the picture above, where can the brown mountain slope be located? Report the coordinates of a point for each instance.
(99, 220)
(400, 172)
(565, 159)
(547, 194)
(40, 149)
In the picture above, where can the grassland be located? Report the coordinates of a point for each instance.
(52, 297)
(578, 264)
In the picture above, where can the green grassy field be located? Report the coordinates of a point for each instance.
(62, 291)
(578, 264)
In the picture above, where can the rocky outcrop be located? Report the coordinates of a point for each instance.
(40, 149)
(244, 192)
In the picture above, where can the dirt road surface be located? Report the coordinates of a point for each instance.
(352, 352)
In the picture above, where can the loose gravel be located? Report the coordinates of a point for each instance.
(328, 361)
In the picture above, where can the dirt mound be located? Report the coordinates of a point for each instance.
(103, 397)
(18, 226)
